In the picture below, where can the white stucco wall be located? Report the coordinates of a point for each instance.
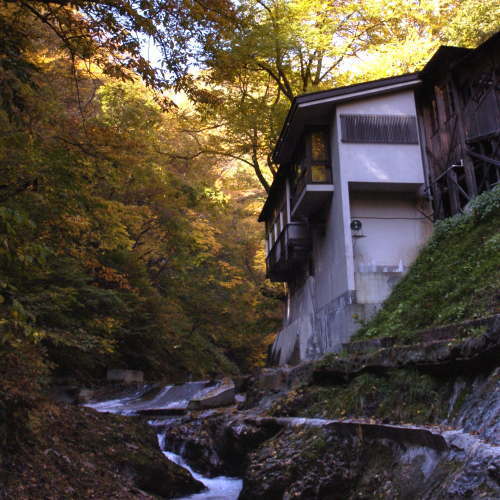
(332, 251)
(388, 163)
(393, 231)
(333, 247)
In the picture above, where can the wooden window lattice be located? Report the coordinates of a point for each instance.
(379, 129)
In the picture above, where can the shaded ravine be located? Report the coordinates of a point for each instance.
(454, 453)
(172, 399)
(431, 444)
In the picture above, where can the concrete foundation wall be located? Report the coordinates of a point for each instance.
(313, 335)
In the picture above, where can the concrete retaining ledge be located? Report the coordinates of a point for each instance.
(477, 353)
(409, 435)
(446, 332)
(441, 350)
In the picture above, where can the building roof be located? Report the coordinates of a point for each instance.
(443, 59)
(315, 109)
(304, 104)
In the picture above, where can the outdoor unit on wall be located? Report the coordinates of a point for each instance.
(379, 129)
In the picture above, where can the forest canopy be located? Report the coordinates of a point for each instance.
(130, 185)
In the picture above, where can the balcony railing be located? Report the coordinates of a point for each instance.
(290, 249)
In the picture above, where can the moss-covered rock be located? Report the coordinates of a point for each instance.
(397, 396)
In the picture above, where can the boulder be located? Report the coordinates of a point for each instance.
(241, 382)
(219, 443)
(84, 396)
(222, 394)
(125, 376)
(271, 379)
(70, 394)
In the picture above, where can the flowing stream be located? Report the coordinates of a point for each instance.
(172, 397)
(218, 488)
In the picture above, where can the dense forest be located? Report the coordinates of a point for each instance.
(135, 154)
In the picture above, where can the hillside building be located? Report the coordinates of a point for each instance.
(363, 172)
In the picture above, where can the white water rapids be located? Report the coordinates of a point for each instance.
(218, 488)
(171, 397)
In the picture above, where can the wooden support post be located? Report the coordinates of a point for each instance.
(470, 174)
(453, 193)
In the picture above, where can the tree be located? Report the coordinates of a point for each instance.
(278, 49)
(111, 34)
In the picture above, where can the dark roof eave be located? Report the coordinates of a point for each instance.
(321, 95)
(336, 93)
(273, 190)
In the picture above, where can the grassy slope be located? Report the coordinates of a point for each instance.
(456, 276)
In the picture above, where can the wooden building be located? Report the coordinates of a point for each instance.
(459, 105)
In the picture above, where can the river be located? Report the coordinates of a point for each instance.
(217, 488)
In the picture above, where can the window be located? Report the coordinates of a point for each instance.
(379, 129)
(320, 174)
(319, 150)
(312, 163)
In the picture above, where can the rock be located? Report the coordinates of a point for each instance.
(70, 394)
(478, 353)
(240, 399)
(299, 374)
(271, 379)
(479, 409)
(125, 376)
(84, 396)
(219, 444)
(314, 459)
(194, 439)
(63, 394)
(241, 382)
(299, 463)
(162, 479)
(222, 394)
(269, 384)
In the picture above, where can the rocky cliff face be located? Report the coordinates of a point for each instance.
(410, 421)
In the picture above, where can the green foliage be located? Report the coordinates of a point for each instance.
(111, 34)
(473, 21)
(374, 396)
(119, 246)
(456, 277)
(275, 50)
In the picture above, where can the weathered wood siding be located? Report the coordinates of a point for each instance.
(460, 110)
